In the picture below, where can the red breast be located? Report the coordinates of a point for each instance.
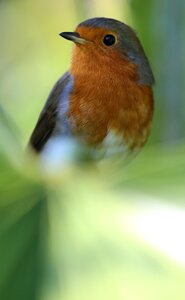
(107, 96)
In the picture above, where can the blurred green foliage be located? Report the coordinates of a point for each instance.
(70, 236)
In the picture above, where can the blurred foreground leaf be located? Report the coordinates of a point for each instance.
(21, 207)
(73, 238)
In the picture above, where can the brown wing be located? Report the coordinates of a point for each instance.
(47, 120)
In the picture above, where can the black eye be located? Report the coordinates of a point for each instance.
(109, 40)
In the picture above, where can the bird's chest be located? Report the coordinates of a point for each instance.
(109, 114)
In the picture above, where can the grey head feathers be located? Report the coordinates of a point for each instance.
(129, 45)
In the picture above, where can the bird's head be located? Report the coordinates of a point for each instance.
(103, 37)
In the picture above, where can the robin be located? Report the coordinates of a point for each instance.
(105, 101)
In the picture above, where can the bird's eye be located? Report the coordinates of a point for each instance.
(109, 40)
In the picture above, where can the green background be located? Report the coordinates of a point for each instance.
(82, 234)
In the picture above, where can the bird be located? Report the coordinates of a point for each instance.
(104, 103)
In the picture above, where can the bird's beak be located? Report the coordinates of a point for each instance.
(73, 36)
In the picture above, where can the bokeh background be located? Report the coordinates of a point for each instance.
(117, 234)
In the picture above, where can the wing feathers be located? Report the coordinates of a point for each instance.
(46, 123)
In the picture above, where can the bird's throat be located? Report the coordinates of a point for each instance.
(108, 97)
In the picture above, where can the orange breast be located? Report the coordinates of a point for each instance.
(107, 97)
